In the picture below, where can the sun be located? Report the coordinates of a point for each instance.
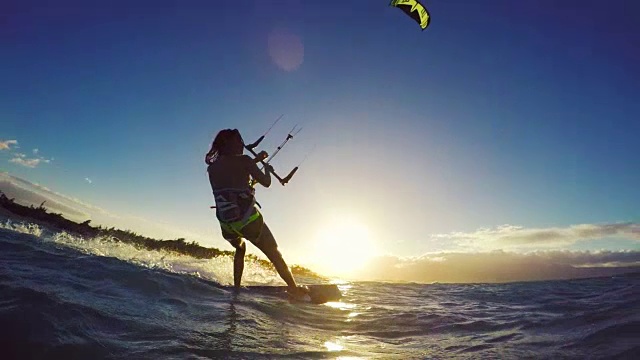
(342, 246)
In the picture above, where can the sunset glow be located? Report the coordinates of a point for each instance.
(343, 245)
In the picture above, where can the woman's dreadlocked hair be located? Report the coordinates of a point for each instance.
(225, 143)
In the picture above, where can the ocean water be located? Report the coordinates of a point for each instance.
(62, 297)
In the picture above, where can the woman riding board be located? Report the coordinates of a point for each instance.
(231, 174)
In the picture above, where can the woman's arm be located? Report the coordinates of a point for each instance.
(263, 178)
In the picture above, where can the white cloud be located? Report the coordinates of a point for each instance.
(512, 237)
(6, 144)
(529, 254)
(88, 180)
(30, 163)
(22, 159)
(501, 266)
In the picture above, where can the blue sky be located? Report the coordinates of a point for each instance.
(501, 112)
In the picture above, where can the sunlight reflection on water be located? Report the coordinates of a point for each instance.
(341, 305)
(336, 346)
(332, 346)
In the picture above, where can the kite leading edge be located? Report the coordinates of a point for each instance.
(415, 10)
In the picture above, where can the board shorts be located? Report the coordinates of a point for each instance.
(250, 230)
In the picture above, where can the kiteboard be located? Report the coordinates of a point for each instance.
(318, 294)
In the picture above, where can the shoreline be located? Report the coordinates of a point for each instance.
(53, 221)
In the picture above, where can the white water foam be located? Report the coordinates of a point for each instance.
(28, 228)
(218, 269)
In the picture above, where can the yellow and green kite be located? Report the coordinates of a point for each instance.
(415, 10)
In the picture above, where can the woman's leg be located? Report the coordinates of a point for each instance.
(238, 264)
(267, 244)
(238, 260)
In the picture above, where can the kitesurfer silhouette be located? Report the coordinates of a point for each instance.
(231, 174)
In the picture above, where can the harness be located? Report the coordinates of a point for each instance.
(235, 208)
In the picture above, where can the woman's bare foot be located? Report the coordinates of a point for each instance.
(299, 292)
